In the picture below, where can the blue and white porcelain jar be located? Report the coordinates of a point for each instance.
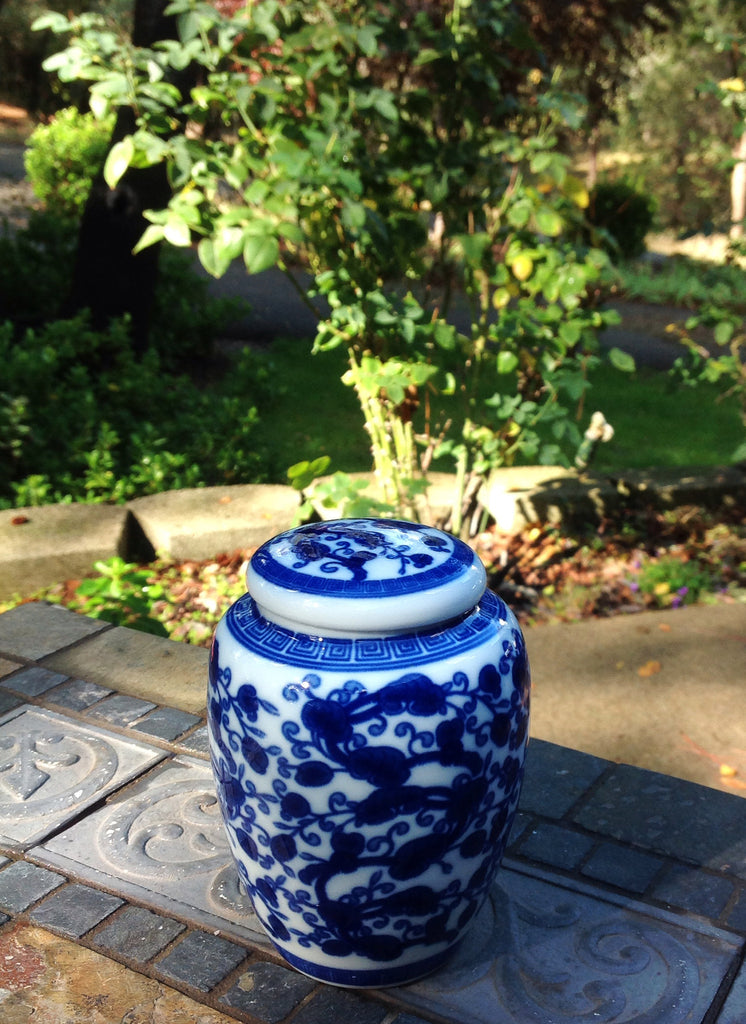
(368, 717)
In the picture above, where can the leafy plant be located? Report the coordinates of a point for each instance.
(122, 594)
(63, 156)
(723, 362)
(725, 367)
(85, 421)
(672, 581)
(340, 132)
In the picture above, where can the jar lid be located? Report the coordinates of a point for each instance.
(352, 577)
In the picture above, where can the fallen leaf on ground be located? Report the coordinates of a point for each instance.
(650, 668)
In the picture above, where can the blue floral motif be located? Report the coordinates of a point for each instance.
(373, 821)
(351, 548)
(355, 558)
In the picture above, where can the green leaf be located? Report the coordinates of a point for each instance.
(99, 105)
(176, 232)
(548, 221)
(52, 20)
(385, 104)
(302, 474)
(519, 213)
(213, 258)
(256, 192)
(426, 56)
(506, 361)
(541, 161)
(444, 335)
(119, 158)
(474, 246)
(260, 252)
(152, 234)
(723, 332)
(621, 360)
(569, 333)
(367, 40)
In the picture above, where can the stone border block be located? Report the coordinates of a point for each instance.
(201, 522)
(41, 546)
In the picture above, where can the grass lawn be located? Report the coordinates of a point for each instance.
(657, 421)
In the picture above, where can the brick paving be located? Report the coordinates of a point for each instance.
(622, 898)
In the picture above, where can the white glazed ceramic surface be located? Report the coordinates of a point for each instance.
(368, 783)
(352, 577)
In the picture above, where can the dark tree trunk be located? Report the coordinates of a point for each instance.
(108, 279)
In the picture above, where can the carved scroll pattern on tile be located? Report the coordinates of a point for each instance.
(44, 771)
(539, 955)
(170, 831)
(617, 970)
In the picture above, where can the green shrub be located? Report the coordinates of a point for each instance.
(81, 419)
(623, 214)
(63, 156)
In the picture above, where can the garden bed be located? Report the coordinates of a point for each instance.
(547, 574)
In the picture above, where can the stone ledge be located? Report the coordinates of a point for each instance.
(42, 546)
(39, 546)
(202, 522)
(519, 495)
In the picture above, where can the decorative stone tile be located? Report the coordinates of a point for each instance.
(34, 681)
(540, 952)
(556, 778)
(557, 846)
(162, 843)
(121, 710)
(22, 884)
(74, 910)
(52, 768)
(167, 723)
(626, 868)
(201, 960)
(670, 816)
(138, 934)
(77, 695)
(268, 992)
(695, 891)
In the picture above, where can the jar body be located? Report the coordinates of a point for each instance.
(368, 785)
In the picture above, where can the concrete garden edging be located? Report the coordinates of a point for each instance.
(42, 546)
